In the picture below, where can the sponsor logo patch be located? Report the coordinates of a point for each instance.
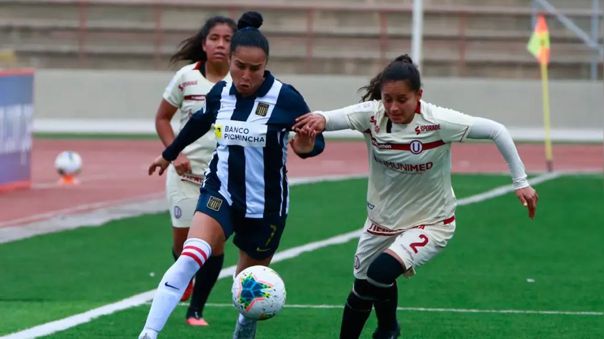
(426, 128)
(262, 109)
(357, 262)
(218, 131)
(214, 203)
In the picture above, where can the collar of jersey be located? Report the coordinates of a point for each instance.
(269, 79)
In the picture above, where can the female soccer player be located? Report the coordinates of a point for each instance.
(245, 191)
(410, 201)
(208, 51)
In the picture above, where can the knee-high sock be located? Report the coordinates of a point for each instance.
(356, 311)
(204, 282)
(382, 275)
(385, 309)
(174, 282)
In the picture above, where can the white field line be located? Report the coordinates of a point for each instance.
(437, 309)
(139, 299)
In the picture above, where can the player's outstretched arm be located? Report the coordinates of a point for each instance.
(488, 129)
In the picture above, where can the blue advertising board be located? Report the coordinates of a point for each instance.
(16, 118)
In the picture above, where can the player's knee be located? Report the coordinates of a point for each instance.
(384, 271)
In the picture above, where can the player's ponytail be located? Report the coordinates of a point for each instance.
(400, 69)
(248, 33)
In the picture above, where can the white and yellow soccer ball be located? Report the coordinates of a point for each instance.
(258, 292)
(68, 163)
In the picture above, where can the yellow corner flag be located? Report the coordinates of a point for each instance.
(538, 45)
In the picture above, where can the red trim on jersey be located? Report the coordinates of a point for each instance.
(418, 109)
(406, 147)
(376, 229)
(196, 249)
(449, 220)
(198, 65)
(195, 97)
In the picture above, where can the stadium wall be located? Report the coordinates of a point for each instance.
(125, 101)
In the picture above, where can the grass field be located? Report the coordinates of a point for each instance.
(502, 275)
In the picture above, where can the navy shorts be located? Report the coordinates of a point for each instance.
(258, 237)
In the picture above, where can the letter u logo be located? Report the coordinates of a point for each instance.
(416, 147)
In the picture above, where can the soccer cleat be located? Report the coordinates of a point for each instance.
(148, 334)
(245, 328)
(188, 291)
(194, 319)
(387, 334)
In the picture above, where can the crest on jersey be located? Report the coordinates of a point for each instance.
(214, 203)
(416, 147)
(262, 109)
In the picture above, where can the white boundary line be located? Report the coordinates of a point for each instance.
(437, 309)
(139, 299)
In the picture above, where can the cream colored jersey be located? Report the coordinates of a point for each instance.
(187, 90)
(410, 165)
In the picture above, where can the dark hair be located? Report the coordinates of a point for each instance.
(190, 48)
(402, 68)
(248, 33)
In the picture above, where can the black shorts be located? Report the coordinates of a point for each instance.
(258, 237)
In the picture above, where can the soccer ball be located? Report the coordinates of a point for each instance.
(258, 292)
(68, 163)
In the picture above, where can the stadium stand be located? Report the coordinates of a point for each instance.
(461, 38)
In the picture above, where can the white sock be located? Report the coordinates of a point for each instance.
(175, 281)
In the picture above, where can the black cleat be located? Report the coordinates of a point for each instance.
(387, 334)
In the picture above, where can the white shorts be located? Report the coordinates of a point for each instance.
(182, 193)
(414, 246)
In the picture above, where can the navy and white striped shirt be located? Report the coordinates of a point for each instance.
(249, 165)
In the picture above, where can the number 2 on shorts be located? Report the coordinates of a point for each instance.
(415, 245)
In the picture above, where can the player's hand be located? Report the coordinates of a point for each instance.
(304, 141)
(528, 198)
(160, 163)
(310, 122)
(182, 164)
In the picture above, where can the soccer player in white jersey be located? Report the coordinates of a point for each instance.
(208, 54)
(245, 192)
(410, 201)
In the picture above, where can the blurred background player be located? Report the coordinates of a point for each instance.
(208, 53)
(246, 191)
(410, 201)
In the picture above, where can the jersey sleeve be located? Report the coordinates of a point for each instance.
(173, 94)
(293, 102)
(489, 129)
(296, 105)
(356, 117)
(198, 125)
(454, 125)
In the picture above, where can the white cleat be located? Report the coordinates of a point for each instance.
(245, 328)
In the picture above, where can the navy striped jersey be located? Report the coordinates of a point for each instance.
(249, 165)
